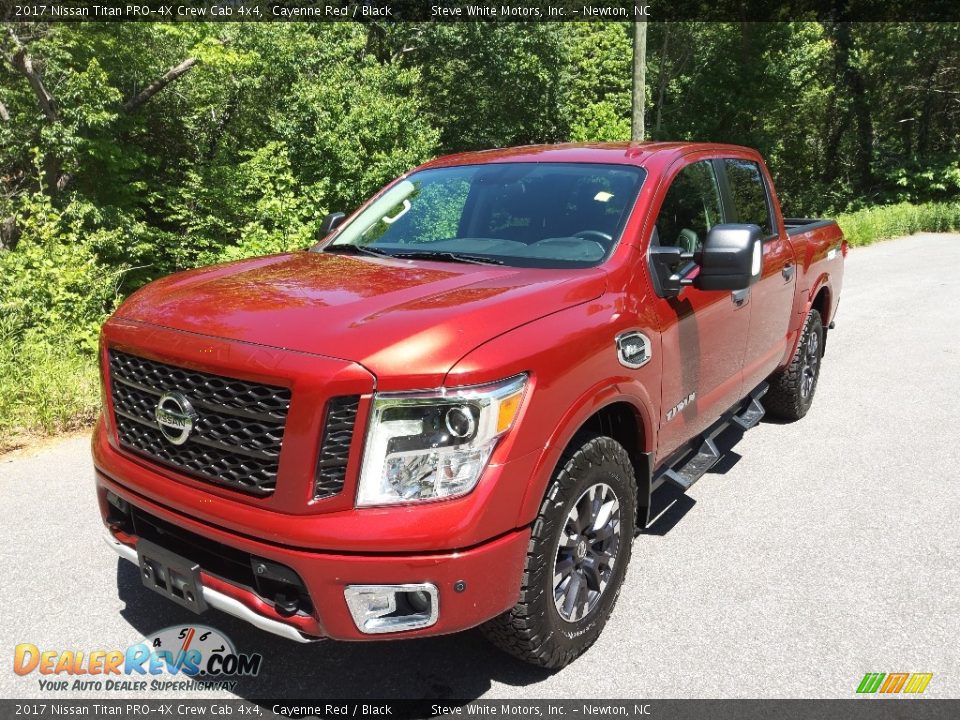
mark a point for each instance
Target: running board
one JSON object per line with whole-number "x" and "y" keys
{"x": 691, "y": 468}
{"x": 694, "y": 468}
{"x": 754, "y": 410}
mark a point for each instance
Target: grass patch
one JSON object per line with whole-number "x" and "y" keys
{"x": 45, "y": 388}
{"x": 890, "y": 221}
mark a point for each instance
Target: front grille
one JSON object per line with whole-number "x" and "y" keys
{"x": 335, "y": 447}
{"x": 236, "y": 438}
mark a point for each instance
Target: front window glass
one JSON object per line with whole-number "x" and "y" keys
{"x": 691, "y": 208}
{"x": 748, "y": 193}
{"x": 523, "y": 214}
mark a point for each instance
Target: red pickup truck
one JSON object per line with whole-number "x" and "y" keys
{"x": 453, "y": 411}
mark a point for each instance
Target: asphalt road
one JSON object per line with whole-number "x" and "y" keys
{"x": 814, "y": 553}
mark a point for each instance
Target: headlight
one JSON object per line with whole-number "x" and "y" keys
{"x": 426, "y": 446}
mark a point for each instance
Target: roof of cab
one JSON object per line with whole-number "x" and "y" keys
{"x": 623, "y": 153}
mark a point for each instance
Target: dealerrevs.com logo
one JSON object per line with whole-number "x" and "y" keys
{"x": 183, "y": 657}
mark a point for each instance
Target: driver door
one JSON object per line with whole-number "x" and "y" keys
{"x": 705, "y": 333}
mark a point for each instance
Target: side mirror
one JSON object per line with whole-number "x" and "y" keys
{"x": 331, "y": 222}
{"x": 731, "y": 258}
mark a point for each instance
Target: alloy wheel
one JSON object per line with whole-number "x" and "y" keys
{"x": 586, "y": 552}
{"x": 811, "y": 359}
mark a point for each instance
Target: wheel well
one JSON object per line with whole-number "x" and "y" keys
{"x": 621, "y": 422}
{"x": 821, "y": 303}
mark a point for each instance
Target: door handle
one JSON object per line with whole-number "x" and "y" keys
{"x": 788, "y": 271}
{"x": 739, "y": 297}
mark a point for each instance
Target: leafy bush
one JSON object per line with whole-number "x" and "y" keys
{"x": 45, "y": 387}
{"x": 889, "y": 221}
{"x": 55, "y": 294}
{"x": 54, "y": 284}
{"x": 256, "y": 205}
{"x": 936, "y": 179}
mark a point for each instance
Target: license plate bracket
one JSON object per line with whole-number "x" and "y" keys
{"x": 176, "y": 578}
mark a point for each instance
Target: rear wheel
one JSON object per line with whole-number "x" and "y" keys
{"x": 791, "y": 390}
{"x": 578, "y": 553}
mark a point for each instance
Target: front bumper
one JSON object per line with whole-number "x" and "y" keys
{"x": 473, "y": 584}
{"x": 219, "y": 600}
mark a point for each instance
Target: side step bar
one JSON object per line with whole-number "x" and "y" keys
{"x": 690, "y": 468}
{"x": 754, "y": 410}
{"x": 687, "y": 473}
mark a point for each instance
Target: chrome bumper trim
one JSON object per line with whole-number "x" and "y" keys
{"x": 376, "y": 621}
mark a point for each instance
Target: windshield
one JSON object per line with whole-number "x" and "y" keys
{"x": 548, "y": 215}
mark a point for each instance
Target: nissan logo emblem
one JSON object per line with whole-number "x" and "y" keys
{"x": 176, "y": 417}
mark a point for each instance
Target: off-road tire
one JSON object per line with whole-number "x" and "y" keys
{"x": 533, "y": 630}
{"x": 789, "y": 398}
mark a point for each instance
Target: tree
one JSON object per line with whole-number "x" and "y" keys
{"x": 489, "y": 84}
{"x": 595, "y": 81}
{"x": 851, "y": 106}
{"x": 57, "y": 116}
{"x": 638, "y": 131}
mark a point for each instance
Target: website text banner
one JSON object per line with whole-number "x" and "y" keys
{"x": 482, "y": 11}
{"x": 853, "y": 709}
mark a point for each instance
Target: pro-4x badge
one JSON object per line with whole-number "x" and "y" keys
{"x": 672, "y": 412}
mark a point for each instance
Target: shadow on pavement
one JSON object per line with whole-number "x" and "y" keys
{"x": 461, "y": 666}
{"x": 669, "y": 503}
{"x": 667, "y": 507}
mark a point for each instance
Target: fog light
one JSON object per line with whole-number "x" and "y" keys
{"x": 392, "y": 608}
{"x": 420, "y": 601}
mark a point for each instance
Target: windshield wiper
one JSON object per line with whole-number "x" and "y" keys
{"x": 356, "y": 250}
{"x": 439, "y": 255}
{"x": 447, "y": 256}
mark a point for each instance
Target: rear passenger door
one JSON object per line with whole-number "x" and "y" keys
{"x": 705, "y": 334}
{"x": 748, "y": 201}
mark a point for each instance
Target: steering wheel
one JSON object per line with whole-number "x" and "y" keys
{"x": 594, "y": 234}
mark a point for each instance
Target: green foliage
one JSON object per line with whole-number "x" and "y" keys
{"x": 54, "y": 284}
{"x": 597, "y": 86}
{"x": 45, "y": 388}
{"x": 869, "y": 225}
{"x": 254, "y": 208}
{"x": 912, "y": 182}
{"x": 358, "y": 129}
{"x": 488, "y": 84}
{"x": 55, "y": 294}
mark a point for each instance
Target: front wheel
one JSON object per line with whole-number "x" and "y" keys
{"x": 791, "y": 390}
{"x": 579, "y": 549}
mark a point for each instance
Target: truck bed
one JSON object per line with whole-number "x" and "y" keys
{"x": 795, "y": 226}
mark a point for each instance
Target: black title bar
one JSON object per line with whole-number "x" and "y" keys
{"x": 478, "y": 11}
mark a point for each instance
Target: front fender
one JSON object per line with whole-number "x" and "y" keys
{"x": 590, "y": 403}
{"x": 574, "y": 369}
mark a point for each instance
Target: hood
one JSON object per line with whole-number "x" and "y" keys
{"x": 406, "y": 321}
